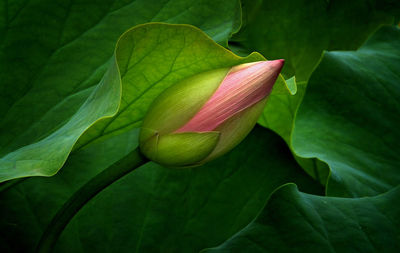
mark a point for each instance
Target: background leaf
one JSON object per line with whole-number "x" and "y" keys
{"x": 293, "y": 221}
{"x": 52, "y": 56}
{"x": 299, "y": 30}
{"x": 350, "y": 117}
{"x": 183, "y": 210}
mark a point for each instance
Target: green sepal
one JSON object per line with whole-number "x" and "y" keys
{"x": 148, "y": 140}
{"x": 180, "y": 149}
{"x": 146, "y": 134}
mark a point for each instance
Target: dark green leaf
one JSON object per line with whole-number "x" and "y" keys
{"x": 183, "y": 210}
{"x": 350, "y": 117}
{"x": 293, "y": 221}
{"x": 298, "y": 31}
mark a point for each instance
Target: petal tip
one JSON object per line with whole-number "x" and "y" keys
{"x": 278, "y": 63}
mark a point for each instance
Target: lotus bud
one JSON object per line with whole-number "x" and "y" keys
{"x": 206, "y": 115}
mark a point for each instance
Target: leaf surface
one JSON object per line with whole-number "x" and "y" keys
{"x": 293, "y": 221}
{"x": 183, "y": 210}
{"x": 299, "y": 31}
{"x": 350, "y": 117}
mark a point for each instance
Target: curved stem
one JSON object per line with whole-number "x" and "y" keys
{"x": 70, "y": 208}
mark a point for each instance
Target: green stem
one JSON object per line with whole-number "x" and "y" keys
{"x": 64, "y": 215}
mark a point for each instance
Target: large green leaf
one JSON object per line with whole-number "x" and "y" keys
{"x": 350, "y": 117}
{"x": 293, "y": 221}
{"x": 52, "y": 57}
{"x": 182, "y": 210}
{"x": 298, "y": 31}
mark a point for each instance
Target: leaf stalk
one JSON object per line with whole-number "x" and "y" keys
{"x": 127, "y": 164}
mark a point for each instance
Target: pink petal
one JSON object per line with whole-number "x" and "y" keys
{"x": 244, "y": 86}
